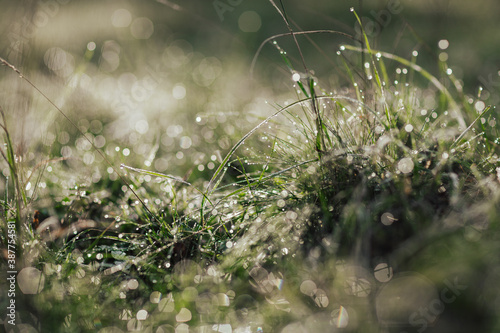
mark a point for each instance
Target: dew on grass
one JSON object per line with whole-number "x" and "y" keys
{"x": 31, "y": 281}
{"x": 142, "y": 126}
{"x": 91, "y": 46}
{"x": 134, "y": 325}
{"x": 185, "y": 142}
{"x": 59, "y": 61}
{"x": 63, "y": 137}
{"x": 80, "y": 273}
{"x": 174, "y": 130}
{"x": 189, "y": 294}
{"x": 409, "y": 128}
{"x": 183, "y": 316}
{"x": 443, "y": 44}
{"x": 179, "y": 92}
{"x": 99, "y": 141}
{"x": 405, "y": 165}
{"x": 142, "y": 28}
{"x": 66, "y": 152}
{"x": 291, "y": 215}
{"x": 387, "y": 219}
{"x": 357, "y": 286}
{"x": 340, "y": 317}
{"x": 320, "y": 298}
{"x": 132, "y": 284}
{"x": 88, "y": 158}
{"x": 120, "y": 18}
{"x": 383, "y": 272}
{"x": 479, "y": 106}
{"x": 308, "y": 287}
{"x": 404, "y": 296}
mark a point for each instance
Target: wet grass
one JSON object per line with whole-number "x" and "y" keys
{"x": 364, "y": 205}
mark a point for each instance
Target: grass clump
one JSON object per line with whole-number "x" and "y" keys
{"x": 350, "y": 209}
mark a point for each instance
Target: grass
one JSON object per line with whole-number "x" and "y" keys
{"x": 345, "y": 209}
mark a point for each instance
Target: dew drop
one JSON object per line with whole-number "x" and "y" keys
{"x": 443, "y": 44}
{"x": 405, "y": 165}
{"x": 340, "y": 317}
{"x": 383, "y": 272}
{"x": 387, "y": 219}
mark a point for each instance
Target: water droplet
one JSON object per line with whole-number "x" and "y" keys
{"x": 308, "y": 287}
{"x": 340, "y": 317}
{"x": 132, "y": 284}
{"x": 383, "y": 272}
{"x": 479, "y": 106}
{"x": 443, "y": 44}
{"x": 387, "y": 219}
{"x": 183, "y": 316}
{"x": 406, "y": 165}
{"x": 142, "y": 315}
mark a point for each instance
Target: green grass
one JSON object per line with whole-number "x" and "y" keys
{"x": 308, "y": 220}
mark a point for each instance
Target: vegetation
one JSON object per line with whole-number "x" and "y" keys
{"x": 368, "y": 202}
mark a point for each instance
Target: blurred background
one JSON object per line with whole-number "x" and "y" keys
{"x": 167, "y": 85}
